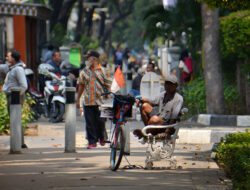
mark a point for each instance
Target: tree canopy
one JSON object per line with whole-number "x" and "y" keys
{"x": 235, "y": 30}
{"x": 228, "y": 4}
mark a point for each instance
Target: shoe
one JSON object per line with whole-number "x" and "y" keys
{"x": 24, "y": 146}
{"x": 91, "y": 146}
{"x": 102, "y": 143}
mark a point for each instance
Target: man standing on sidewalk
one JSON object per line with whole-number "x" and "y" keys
{"x": 93, "y": 82}
{"x": 15, "y": 78}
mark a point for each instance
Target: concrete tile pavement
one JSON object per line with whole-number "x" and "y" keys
{"x": 44, "y": 165}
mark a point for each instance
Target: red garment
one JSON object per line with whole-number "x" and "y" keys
{"x": 188, "y": 62}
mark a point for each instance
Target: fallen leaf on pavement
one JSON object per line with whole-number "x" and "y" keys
{"x": 56, "y": 145}
{"x": 198, "y": 147}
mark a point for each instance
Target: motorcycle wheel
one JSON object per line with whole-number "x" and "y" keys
{"x": 35, "y": 111}
{"x": 56, "y": 115}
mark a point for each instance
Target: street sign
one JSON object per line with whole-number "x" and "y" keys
{"x": 150, "y": 85}
{"x": 75, "y": 56}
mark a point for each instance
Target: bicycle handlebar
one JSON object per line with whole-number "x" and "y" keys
{"x": 107, "y": 93}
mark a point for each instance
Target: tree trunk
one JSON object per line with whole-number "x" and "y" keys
{"x": 215, "y": 102}
{"x": 123, "y": 10}
{"x": 102, "y": 25}
{"x": 241, "y": 86}
{"x": 89, "y": 21}
{"x": 79, "y": 25}
{"x": 56, "y": 6}
{"x": 65, "y": 13}
{"x": 247, "y": 97}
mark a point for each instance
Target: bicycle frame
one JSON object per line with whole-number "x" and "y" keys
{"x": 118, "y": 138}
{"x": 119, "y": 122}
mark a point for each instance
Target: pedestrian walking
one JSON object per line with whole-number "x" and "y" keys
{"x": 118, "y": 57}
{"x": 186, "y": 64}
{"x": 15, "y": 78}
{"x": 93, "y": 81}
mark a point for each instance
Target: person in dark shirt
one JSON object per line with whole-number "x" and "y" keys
{"x": 135, "y": 91}
{"x": 55, "y": 61}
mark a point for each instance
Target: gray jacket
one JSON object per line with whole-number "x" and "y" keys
{"x": 15, "y": 79}
{"x": 169, "y": 110}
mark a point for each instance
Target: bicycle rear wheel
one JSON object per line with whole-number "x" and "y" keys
{"x": 117, "y": 148}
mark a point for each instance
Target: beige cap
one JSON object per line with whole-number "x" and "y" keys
{"x": 171, "y": 78}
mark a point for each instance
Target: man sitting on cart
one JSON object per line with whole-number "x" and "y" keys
{"x": 162, "y": 110}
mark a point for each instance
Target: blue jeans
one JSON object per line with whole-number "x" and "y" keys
{"x": 134, "y": 92}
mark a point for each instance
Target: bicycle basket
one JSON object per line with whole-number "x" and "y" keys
{"x": 107, "y": 110}
{"x": 127, "y": 102}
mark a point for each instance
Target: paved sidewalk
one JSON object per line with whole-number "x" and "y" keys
{"x": 44, "y": 165}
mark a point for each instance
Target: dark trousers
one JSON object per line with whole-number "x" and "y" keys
{"x": 95, "y": 125}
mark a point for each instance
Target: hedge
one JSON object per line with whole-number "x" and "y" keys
{"x": 233, "y": 155}
{"x": 27, "y": 113}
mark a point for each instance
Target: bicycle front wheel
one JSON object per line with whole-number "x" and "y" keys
{"x": 117, "y": 148}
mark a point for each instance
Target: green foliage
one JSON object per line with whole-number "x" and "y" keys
{"x": 194, "y": 94}
{"x": 27, "y": 113}
{"x": 88, "y": 43}
{"x": 171, "y": 24}
{"x": 235, "y": 29}
{"x": 195, "y": 97}
{"x": 4, "y": 116}
{"x": 59, "y": 35}
{"x": 185, "y": 17}
{"x": 234, "y": 104}
{"x": 234, "y": 156}
{"x": 228, "y": 4}
{"x": 131, "y": 28}
{"x": 235, "y": 35}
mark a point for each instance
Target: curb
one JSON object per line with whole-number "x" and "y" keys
{"x": 222, "y": 120}
{"x": 205, "y": 135}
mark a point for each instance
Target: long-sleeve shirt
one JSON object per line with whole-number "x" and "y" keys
{"x": 15, "y": 79}
{"x": 4, "y": 69}
{"x": 170, "y": 109}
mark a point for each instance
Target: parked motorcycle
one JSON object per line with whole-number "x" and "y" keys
{"x": 51, "y": 103}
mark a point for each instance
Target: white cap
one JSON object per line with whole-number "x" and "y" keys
{"x": 171, "y": 78}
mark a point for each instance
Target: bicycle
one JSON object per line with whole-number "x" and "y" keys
{"x": 121, "y": 109}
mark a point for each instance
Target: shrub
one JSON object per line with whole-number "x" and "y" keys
{"x": 27, "y": 113}
{"x": 195, "y": 97}
{"x": 234, "y": 104}
{"x": 194, "y": 94}
{"x": 4, "y": 117}
{"x": 233, "y": 156}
